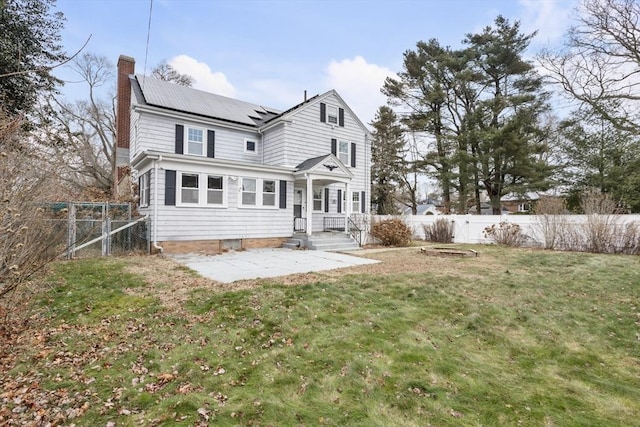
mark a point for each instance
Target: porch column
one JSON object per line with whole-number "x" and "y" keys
{"x": 347, "y": 207}
{"x": 309, "y": 205}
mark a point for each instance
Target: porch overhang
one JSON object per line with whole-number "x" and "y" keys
{"x": 322, "y": 171}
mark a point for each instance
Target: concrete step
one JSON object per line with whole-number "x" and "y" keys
{"x": 323, "y": 242}
{"x": 345, "y": 246}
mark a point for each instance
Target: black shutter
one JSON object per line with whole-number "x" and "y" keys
{"x": 323, "y": 112}
{"x": 341, "y": 117}
{"x": 334, "y": 146}
{"x": 179, "y": 139}
{"x": 170, "y": 187}
{"x": 140, "y": 188}
{"x": 326, "y": 200}
{"x": 339, "y": 201}
{"x": 283, "y": 194}
{"x": 363, "y": 202}
{"x": 353, "y": 155}
{"x": 211, "y": 144}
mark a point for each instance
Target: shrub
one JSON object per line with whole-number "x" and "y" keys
{"x": 392, "y": 232}
{"x": 441, "y": 231}
{"x": 505, "y": 233}
{"x": 550, "y": 220}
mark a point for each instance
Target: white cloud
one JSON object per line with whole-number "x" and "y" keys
{"x": 359, "y": 83}
{"x": 274, "y": 93}
{"x": 206, "y": 79}
{"x": 550, "y": 18}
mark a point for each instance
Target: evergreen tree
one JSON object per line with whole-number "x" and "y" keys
{"x": 422, "y": 87}
{"x": 600, "y": 156}
{"x": 386, "y": 158}
{"x": 510, "y": 144}
{"x": 29, "y": 49}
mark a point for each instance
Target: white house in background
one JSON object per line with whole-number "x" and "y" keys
{"x": 215, "y": 172}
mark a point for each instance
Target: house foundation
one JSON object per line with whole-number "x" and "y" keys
{"x": 210, "y": 247}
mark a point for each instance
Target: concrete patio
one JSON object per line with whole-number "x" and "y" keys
{"x": 262, "y": 263}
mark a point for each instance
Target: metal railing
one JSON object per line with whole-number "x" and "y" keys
{"x": 333, "y": 223}
{"x": 300, "y": 225}
{"x": 355, "y": 232}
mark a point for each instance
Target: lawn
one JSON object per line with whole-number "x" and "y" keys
{"x": 512, "y": 337}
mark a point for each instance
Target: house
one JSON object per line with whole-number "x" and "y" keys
{"x": 429, "y": 208}
{"x": 520, "y": 203}
{"x": 215, "y": 172}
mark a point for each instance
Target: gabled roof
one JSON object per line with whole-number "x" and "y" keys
{"x": 313, "y": 100}
{"x": 180, "y": 98}
{"x": 324, "y": 166}
{"x": 310, "y": 163}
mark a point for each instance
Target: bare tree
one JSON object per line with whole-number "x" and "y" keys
{"x": 80, "y": 136}
{"x": 27, "y": 240}
{"x": 600, "y": 64}
{"x": 164, "y": 71}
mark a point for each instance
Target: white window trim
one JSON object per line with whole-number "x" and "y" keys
{"x": 255, "y": 146}
{"x": 206, "y": 191}
{"x": 313, "y": 200}
{"x": 259, "y": 194}
{"x": 348, "y": 162}
{"x": 275, "y": 193}
{"x": 328, "y": 108}
{"x": 355, "y": 193}
{"x": 142, "y": 191}
{"x": 241, "y": 191}
{"x": 186, "y": 141}
{"x": 202, "y": 190}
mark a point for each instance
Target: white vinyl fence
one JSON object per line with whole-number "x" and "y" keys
{"x": 470, "y": 228}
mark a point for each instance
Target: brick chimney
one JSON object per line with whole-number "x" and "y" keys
{"x": 126, "y": 67}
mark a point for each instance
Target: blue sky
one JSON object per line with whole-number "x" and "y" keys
{"x": 270, "y": 51}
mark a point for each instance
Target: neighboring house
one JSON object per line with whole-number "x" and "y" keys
{"x": 215, "y": 172}
{"x": 520, "y": 203}
{"x": 423, "y": 209}
{"x": 486, "y": 209}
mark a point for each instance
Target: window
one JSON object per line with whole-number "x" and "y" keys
{"x": 195, "y": 189}
{"x": 317, "y": 198}
{"x": 343, "y": 152}
{"x": 143, "y": 189}
{"x": 524, "y": 207}
{"x": 268, "y": 193}
{"x": 189, "y": 188}
{"x": 332, "y": 114}
{"x": 195, "y": 141}
{"x": 249, "y": 146}
{"x": 215, "y": 190}
{"x": 248, "y": 191}
{"x": 355, "y": 201}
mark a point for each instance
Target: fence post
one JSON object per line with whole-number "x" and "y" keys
{"x": 71, "y": 230}
{"x": 106, "y": 237}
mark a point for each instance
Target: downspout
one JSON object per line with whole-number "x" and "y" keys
{"x": 155, "y": 206}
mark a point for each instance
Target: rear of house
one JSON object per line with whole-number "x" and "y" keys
{"x": 215, "y": 172}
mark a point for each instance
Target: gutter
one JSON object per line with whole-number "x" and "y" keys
{"x": 154, "y": 218}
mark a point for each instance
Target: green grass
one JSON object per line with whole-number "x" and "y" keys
{"x": 513, "y": 337}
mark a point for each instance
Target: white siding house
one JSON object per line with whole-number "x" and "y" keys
{"x": 215, "y": 172}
